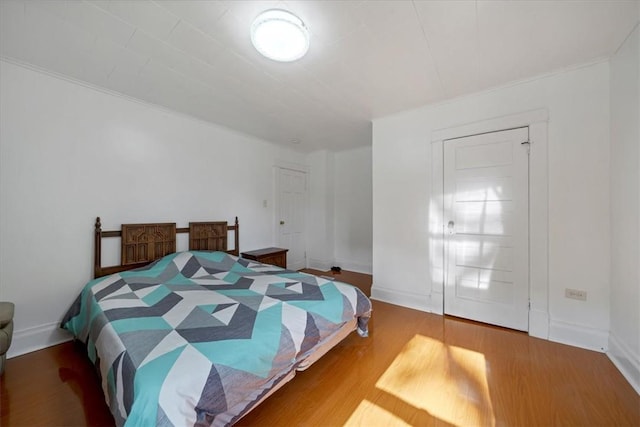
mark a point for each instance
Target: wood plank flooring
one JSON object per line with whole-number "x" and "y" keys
{"x": 414, "y": 369}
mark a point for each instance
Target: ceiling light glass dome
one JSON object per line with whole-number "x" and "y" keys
{"x": 280, "y": 35}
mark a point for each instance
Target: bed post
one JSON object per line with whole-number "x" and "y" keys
{"x": 237, "y": 235}
{"x": 97, "y": 254}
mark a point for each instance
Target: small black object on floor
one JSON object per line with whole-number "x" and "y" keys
{"x": 336, "y": 269}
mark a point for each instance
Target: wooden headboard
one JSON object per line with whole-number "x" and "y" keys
{"x": 144, "y": 243}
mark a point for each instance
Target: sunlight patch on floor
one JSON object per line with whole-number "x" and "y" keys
{"x": 369, "y": 414}
{"x": 446, "y": 382}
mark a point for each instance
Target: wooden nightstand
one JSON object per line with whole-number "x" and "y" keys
{"x": 273, "y": 256}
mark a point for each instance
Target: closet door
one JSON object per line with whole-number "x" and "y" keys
{"x": 486, "y": 228}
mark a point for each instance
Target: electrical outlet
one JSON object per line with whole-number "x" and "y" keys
{"x": 575, "y": 294}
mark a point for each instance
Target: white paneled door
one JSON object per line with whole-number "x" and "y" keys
{"x": 292, "y": 195}
{"x": 486, "y": 192}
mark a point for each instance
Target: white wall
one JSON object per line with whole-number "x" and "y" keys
{"x": 69, "y": 153}
{"x": 353, "y": 218}
{"x": 578, "y": 161}
{"x": 624, "y": 338}
{"x": 320, "y": 218}
{"x": 339, "y": 230}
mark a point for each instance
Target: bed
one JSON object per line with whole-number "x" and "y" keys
{"x": 201, "y": 337}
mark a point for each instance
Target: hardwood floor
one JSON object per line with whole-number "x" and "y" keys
{"x": 414, "y": 369}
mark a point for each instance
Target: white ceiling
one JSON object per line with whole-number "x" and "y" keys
{"x": 367, "y": 58}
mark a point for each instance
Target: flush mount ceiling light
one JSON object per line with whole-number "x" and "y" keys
{"x": 280, "y": 35}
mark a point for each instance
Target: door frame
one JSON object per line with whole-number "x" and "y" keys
{"x": 537, "y": 121}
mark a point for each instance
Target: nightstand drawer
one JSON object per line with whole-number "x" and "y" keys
{"x": 273, "y": 256}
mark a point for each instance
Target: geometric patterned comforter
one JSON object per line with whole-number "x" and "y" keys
{"x": 197, "y": 338}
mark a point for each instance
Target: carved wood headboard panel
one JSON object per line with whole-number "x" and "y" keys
{"x": 209, "y": 236}
{"x": 144, "y": 243}
{"x": 147, "y": 242}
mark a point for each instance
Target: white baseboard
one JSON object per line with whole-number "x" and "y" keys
{"x": 319, "y": 264}
{"x": 325, "y": 265}
{"x": 405, "y": 299}
{"x": 578, "y": 336}
{"x": 358, "y": 267}
{"x": 539, "y": 324}
{"x": 625, "y": 360}
{"x": 437, "y": 303}
{"x": 434, "y": 303}
{"x": 37, "y": 338}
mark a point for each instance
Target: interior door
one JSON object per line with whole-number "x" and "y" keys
{"x": 292, "y": 189}
{"x": 486, "y": 189}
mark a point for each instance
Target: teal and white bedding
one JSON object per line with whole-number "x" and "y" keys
{"x": 197, "y": 338}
